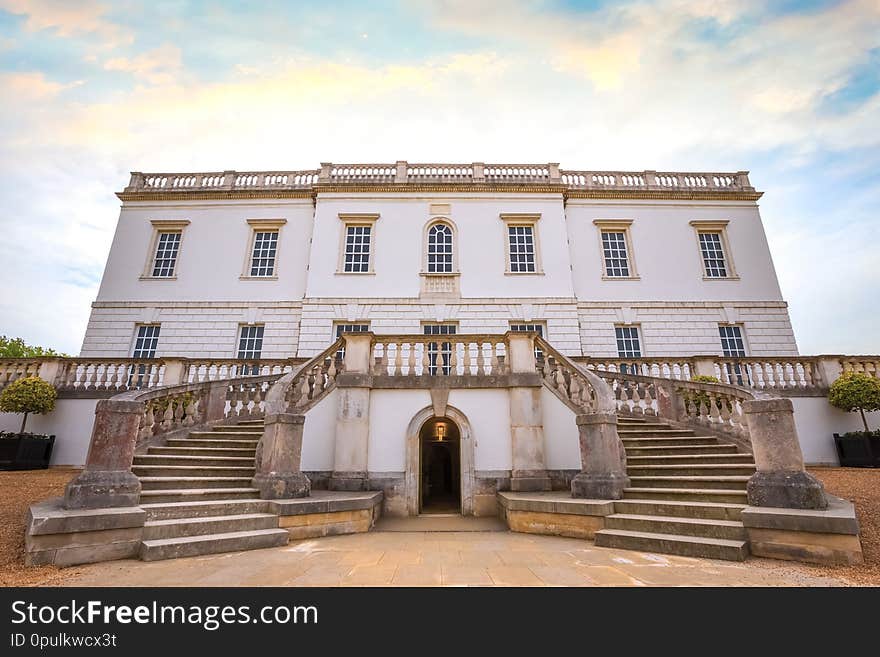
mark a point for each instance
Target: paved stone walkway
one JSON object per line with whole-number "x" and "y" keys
{"x": 445, "y": 559}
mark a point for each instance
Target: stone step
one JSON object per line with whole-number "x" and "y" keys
{"x": 689, "y": 546}
{"x": 204, "y": 470}
{"x": 216, "y": 444}
{"x": 178, "y": 527}
{"x": 181, "y": 483}
{"x": 226, "y": 435}
{"x": 731, "y": 530}
{"x": 682, "y": 450}
{"x": 687, "y": 494}
{"x": 683, "y": 459}
{"x": 640, "y": 424}
{"x": 725, "y": 482}
{"x": 210, "y": 461}
{"x": 205, "y": 508}
{"x": 237, "y": 427}
{"x": 197, "y": 494}
{"x": 628, "y": 432}
{"x": 675, "y": 441}
{"x": 680, "y": 509}
{"x": 241, "y": 452}
{"x": 190, "y": 546}
{"x": 690, "y": 469}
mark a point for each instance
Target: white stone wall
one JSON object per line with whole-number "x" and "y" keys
{"x": 686, "y": 328}
{"x": 389, "y": 316}
{"x": 71, "y": 423}
{"x": 561, "y": 442}
{"x": 192, "y": 329}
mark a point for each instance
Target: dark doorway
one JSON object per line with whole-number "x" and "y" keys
{"x": 440, "y": 467}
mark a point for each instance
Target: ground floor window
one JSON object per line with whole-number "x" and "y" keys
{"x": 340, "y": 328}
{"x": 733, "y": 346}
{"x": 145, "y": 342}
{"x": 628, "y": 346}
{"x": 250, "y": 348}
{"x": 533, "y": 327}
{"x": 439, "y": 354}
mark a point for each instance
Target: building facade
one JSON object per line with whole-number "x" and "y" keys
{"x": 248, "y": 266}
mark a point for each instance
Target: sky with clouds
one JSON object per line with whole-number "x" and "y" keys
{"x": 789, "y": 90}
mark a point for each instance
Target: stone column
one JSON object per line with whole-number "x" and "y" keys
{"x": 278, "y": 473}
{"x": 603, "y": 474}
{"x": 828, "y": 369}
{"x": 529, "y": 471}
{"x": 704, "y": 366}
{"x": 175, "y": 372}
{"x": 353, "y": 415}
{"x": 107, "y": 480}
{"x": 49, "y": 370}
{"x": 780, "y": 480}
{"x": 215, "y": 405}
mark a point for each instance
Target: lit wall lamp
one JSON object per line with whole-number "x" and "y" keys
{"x": 440, "y": 430}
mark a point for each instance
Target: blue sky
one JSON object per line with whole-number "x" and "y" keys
{"x": 788, "y": 90}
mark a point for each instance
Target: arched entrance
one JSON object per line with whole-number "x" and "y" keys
{"x": 424, "y": 423}
{"x": 439, "y": 466}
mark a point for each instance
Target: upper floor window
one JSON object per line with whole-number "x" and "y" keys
{"x": 263, "y": 253}
{"x": 263, "y": 260}
{"x": 164, "y": 248}
{"x": 523, "y": 254}
{"x": 614, "y": 252}
{"x": 616, "y": 247}
{"x": 440, "y": 249}
{"x": 357, "y": 243}
{"x": 714, "y": 249}
{"x": 165, "y": 261}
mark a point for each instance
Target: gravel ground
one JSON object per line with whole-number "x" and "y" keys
{"x": 18, "y": 490}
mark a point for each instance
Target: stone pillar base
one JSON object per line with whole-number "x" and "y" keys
{"x": 282, "y": 486}
{"x": 102, "y": 489}
{"x": 529, "y": 481}
{"x": 349, "y": 481}
{"x": 599, "y": 486}
{"x": 790, "y": 490}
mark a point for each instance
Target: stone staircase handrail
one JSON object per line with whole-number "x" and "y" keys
{"x": 579, "y": 388}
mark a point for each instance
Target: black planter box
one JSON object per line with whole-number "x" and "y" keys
{"x": 858, "y": 451}
{"x": 25, "y": 451}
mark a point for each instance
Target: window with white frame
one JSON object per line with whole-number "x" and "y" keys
{"x": 440, "y": 249}
{"x": 521, "y": 242}
{"x": 341, "y": 328}
{"x": 165, "y": 259}
{"x": 733, "y": 346}
{"x": 712, "y": 250}
{"x": 628, "y": 343}
{"x": 615, "y": 254}
{"x": 250, "y": 348}
{"x": 442, "y": 351}
{"x": 263, "y": 253}
{"x": 250, "y": 342}
{"x": 146, "y": 339}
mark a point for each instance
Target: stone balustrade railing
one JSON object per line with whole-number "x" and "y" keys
{"x": 786, "y": 375}
{"x": 403, "y": 173}
{"x": 578, "y": 387}
{"x": 83, "y": 377}
{"x": 438, "y": 355}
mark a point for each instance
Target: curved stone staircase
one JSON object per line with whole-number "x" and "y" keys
{"x": 198, "y": 497}
{"x": 686, "y": 494}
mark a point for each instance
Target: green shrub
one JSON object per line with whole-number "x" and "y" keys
{"x": 699, "y": 398}
{"x": 28, "y": 395}
{"x": 854, "y": 391}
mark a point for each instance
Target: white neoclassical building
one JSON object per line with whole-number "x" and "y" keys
{"x": 294, "y": 353}
{"x": 274, "y": 265}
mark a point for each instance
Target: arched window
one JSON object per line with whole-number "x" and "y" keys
{"x": 440, "y": 249}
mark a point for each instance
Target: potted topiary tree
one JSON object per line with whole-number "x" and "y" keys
{"x": 852, "y": 392}
{"x": 25, "y": 451}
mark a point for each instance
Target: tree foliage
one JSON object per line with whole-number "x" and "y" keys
{"x": 18, "y": 348}
{"x": 854, "y": 391}
{"x": 28, "y": 395}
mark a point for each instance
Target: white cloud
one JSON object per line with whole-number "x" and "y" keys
{"x": 67, "y": 18}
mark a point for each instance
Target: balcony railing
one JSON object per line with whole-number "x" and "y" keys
{"x": 472, "y": 173}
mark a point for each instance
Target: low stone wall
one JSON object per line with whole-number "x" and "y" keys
{"x": 63, "y": 537}
{"x": 829, "y": 536}
{"x": 554, "y": 513}
{"x": 327, "y": 513}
